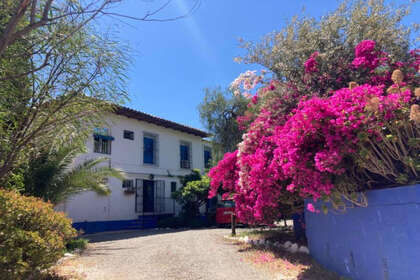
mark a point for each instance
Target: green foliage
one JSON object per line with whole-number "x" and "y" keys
{"x": 334, "y": 36}
{"x": 50, "y": 176}
{"x": 32, "y": 235}
{"x": 78, "y": 243}
{"x": 391, "y": 156}
{"x": 218, "y": 113}
{"x": 14, "y": 181}
{"x": 56, "y": 80}
{"x": 193, "y": 193}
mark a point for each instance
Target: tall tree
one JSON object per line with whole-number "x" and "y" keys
{"x": 58, "y": 73}
{"x": 218, "y": 113}
{"x": 333, "y": 37}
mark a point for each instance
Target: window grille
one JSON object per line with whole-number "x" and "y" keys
{"x": 150, "y": 149}
{"x": 128, "y": 134}
{"x": 185, "y": 155}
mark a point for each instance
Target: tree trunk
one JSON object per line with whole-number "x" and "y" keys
{"x": 233, "y": 224}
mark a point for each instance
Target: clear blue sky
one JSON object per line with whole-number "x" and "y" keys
{"x": 172, "y": 62}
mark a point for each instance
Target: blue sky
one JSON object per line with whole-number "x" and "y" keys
{"x": 172, "y": 62}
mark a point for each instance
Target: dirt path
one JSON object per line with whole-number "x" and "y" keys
{"x": 165, "y": 255}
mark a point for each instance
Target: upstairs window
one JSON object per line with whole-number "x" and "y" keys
{"x": 185, "y": 151}
{"x": 149, "y": 149}
{"x": 207, "y": 157}
{"x": 128, "y": 134}
{"x": 102, "y": 141}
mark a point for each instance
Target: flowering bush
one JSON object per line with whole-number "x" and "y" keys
{"x": 329, "y": 146}
{"x": 225, "y": 173}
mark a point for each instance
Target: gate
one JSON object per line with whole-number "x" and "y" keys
{"x": 160, "y": 197}
{"x": 139, "y": 195}
{"x": 156, "y": 199}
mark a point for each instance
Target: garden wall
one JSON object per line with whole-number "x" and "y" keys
{"x": 381, "y": 241}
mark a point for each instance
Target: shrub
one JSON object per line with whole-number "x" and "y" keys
{"x": 329, "y": 147}
{"x": 32, "y": 235}
{"x": 78, "y": 243}
{"x": 193, "y": 194}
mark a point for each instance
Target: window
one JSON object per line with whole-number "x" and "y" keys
{"x": 185, "y": 151}
{"x": 128, "y": 184}
{"x": 128, "y": 134}
{"x": 173, "y": 187}
{"x": 207, "y": 157}
{"x": 150, "y": 149}
{"x": 102, "y": 141}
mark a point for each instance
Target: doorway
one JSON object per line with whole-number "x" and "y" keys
{"x": 148, "y": 196}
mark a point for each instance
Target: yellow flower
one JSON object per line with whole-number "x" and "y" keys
{"x": 393, "y": 89}
{"x": 352, "y": 85}
{"x": 397, "y": 77}
{"x": 373, "y": 104}
{"x": 417, "y": 92}
{"x": 415, "y": 113}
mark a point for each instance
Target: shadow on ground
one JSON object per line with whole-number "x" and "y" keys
{"x": 127, "y": 234}
{"x": 135, "y": 233}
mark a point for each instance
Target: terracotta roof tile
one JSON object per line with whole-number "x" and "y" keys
{"x": 134, "y": 114}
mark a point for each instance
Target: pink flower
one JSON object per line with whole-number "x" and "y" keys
{"x": 311, "y": 65}
{"x": 365, "y": 48}
{"x": 366, "y": 55}
{"x": 291, "y": 187}
{"x": 311, "y": 207}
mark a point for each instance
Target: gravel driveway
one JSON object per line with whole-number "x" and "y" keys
{"x": 159, "y": 254}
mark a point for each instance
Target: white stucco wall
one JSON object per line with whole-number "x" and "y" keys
{"x": 127, "y": 155}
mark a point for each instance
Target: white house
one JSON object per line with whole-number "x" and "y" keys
{"x": 153, "y": 153}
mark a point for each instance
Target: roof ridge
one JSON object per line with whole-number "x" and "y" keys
{"x": 142, "y": 116}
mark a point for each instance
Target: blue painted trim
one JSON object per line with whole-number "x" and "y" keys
{"x": 143, "y": 222}
{"x": 103, "y": 137}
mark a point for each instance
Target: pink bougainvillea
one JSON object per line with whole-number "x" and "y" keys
{"x": 224, "y": 174}
{"x": 294, "y": 150}
{"x": 311, "y": 64}
{"x": 366, "y": 55}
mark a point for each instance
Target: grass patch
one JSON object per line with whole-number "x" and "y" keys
{"x": 78, "y": 243}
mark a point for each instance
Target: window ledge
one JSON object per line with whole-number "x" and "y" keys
{"x": 150, "y": 165}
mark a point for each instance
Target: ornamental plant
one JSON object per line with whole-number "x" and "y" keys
{"x": 329, "y": 146}
{"x": 193, "y": 193}
{"x": 33, "y": 236}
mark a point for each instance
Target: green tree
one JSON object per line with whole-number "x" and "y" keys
{"x": 58, "y": 72}
{"x": 334, "y": 36}
{"x": 218, "y": 113}
{"x": 193, "y": 194}
{"x": 51, "y": 177}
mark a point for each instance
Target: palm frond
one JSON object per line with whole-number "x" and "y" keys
{"x": 58, "y": 181}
